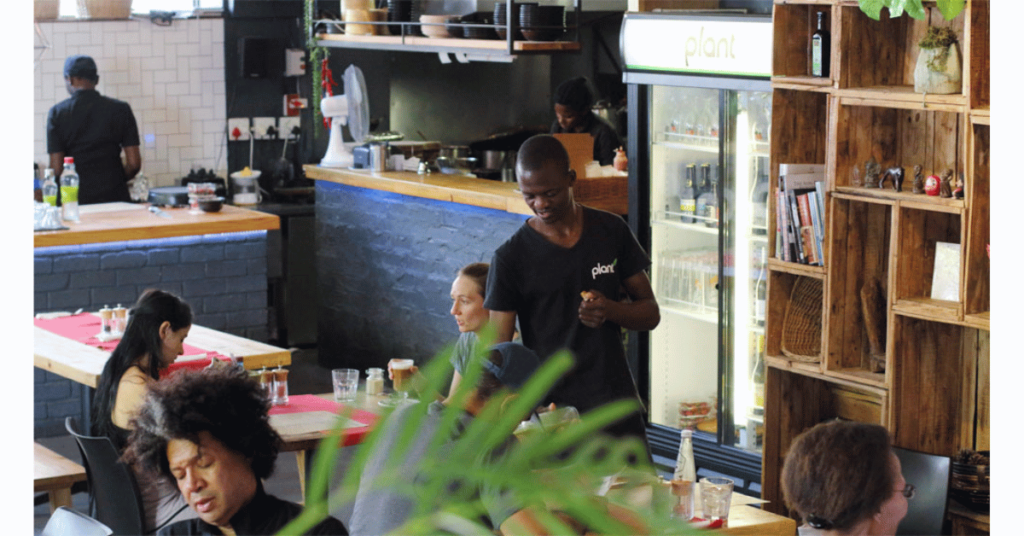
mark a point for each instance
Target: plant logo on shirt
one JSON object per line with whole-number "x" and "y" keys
{"x": 603, "y": 269}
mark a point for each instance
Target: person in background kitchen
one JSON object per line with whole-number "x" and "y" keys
{"x": 573, "y": 103}
{"x": 94, "y": 130}
{"x": 562, "y": 275}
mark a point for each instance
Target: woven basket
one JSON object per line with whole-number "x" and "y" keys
{"x": 47, "y": 9}
{"x": 588, "y": 188}
{"x": 801, "y": 327}
{"x": 104, "y": 9}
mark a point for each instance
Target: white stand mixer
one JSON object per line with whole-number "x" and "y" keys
{"x": 352, "y": 109}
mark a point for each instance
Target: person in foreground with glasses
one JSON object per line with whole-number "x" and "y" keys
{"x": 844, "y": 479}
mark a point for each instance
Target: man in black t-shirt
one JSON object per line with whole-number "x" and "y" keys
{"x": 561, "y": 274}
{"x": 93, "y": 129}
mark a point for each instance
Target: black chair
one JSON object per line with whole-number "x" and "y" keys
{"x": 67, "y": 522}
{"x": 929, "y": 474}
{"x": 115, "y": 494}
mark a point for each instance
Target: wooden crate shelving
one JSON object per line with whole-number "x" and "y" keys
{"x": 793, "y": 24}
{"x": 860, "y": 235}
{"x": 896, "y": 136}
{"x": 877, "y": 58}
{"x": 919, "y": 232}
{"x": 976, "y": 305}
{"x": 934, "y": 393}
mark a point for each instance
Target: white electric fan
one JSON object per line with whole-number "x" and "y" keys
{"x": 350, "y": 108}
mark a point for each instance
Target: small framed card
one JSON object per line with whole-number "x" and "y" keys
{"x": 946, "y": 276}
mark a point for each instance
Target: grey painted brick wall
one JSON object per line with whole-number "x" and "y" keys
{"x": 223, "y": 277}
{"x": 385, "y": 264}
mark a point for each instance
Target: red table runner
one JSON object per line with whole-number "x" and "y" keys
{"x": 85, "y": 326}
{"x": 304, "y": 403}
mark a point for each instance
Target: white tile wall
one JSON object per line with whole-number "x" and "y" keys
{"x": 173, "y": 78}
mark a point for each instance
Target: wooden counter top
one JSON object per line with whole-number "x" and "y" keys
{"x": 112, "y": 222}
{"x": 462, "y": 189}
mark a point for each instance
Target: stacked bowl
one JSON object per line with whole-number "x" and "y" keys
{"x": 403, "y": 11}
{"x": 480, "y": 32}
{"x": 542, "y": 23}
{"x": 501, "y": 18}
{"x": 437, "y": 25}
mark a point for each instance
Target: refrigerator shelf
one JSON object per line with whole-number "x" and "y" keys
{"x": 688, "y": 310}
{"x": 664, "y": 218}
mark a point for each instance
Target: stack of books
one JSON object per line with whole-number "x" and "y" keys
{"x": 800, "y": 214}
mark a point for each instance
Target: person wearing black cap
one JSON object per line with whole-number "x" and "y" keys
{"x": 573, "y": 103}
{"x": 94, "y": 130}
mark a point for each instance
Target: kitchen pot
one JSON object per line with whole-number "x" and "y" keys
{"x": 455, "y": 151}
{"x": 494, "y": 159}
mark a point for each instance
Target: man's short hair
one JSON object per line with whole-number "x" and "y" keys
{"x": 540, "y": 150}
{"x": 223, "y": 401}
{"x": 80, "y": 66}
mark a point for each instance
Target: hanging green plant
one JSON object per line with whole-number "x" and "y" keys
{"x": 915, "y": 8}
{"x": 317, "y": 54}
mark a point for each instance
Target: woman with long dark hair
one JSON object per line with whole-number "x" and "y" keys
{"x": 153, "y": 339}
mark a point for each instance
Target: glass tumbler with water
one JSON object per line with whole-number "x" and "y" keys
{"x": 716, "y": 497}
{"x": 346, "y": 383}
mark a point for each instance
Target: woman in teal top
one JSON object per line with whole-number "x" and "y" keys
{"x": 468, "y": 291}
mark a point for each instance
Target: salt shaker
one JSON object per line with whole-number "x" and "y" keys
{"x": 267, "y": 382}
{"x": 280, "y": 386}
{"x": 374, "y": 381}
{"x": 106, "y": 316}
{"x": 120, "y": 320}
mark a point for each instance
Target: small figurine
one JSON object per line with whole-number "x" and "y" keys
{"x": 855, "y": 177}
{"x": 918, "y": 180}
{"x": 958, "y": 193}
{"x": 896, "y": 174}
{"x": 872, "y": 170}
{"x": 946, "y": 184}
{"x": 931, "y": 185}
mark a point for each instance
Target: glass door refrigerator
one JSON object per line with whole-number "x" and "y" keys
{"x": 699, "y": 118}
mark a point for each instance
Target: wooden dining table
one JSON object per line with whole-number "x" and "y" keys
{"x": 83, "y": 362}
{"x": 314, "y": 418}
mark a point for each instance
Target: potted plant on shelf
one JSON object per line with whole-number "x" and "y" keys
{"x": 938, "y": 68}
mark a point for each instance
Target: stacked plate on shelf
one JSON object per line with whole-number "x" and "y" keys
{"x": 404, "y": 11}
{"x": 542, "y": 23}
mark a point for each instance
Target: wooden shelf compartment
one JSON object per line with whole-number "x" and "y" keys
{"x": 861, "y": 236}
{"x": 798, "y": 117}
{"x": 894, "y": 136}
{"x": 935, "y": 399}
{"x": 977, "y": 54}
{"x": 919, "y": 231}
{"x": 793, "y": 24}
{"x": 977, "y": 264}
{"x": 878, "y": 53}
{"x": 780, "y": 290}
{"x": 795, "y": 402}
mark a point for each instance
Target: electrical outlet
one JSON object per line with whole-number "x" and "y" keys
{"x": 286, "y": 127}
{"x": 238, "y": 129}
{"x": 264, "y": 128}
{"x": 293, "y": 104}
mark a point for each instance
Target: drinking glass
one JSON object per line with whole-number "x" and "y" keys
{"x": 346, "y": 382}
{"x": 401, "y": 370}
{"x": 715, "y": 497}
